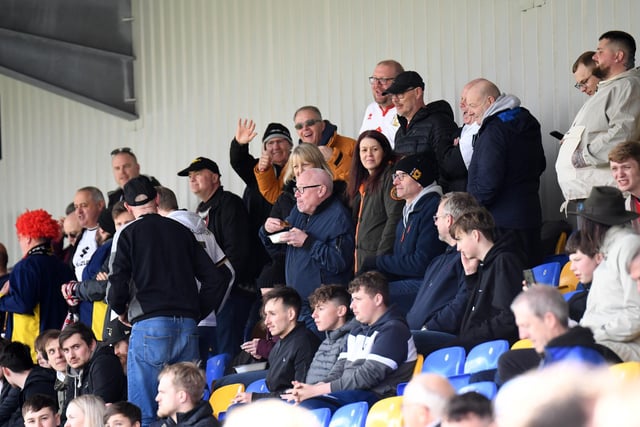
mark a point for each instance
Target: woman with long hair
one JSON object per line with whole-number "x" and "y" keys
{"x": 375, "y": 211}
{"x": 86, "y": 411}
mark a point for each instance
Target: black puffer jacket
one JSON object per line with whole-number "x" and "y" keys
{"x": 433, "y": 129}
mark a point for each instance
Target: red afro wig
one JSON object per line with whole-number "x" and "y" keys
{"x": 38, "y": 224}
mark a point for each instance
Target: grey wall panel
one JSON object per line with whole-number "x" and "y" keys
{"x": 202, "y": 64}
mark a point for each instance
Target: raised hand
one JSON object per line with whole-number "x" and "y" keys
{"x": 246, "y": 131}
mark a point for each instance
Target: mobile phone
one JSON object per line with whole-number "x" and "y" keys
{"x": 529, "y": 278}
{"x": 556, "y": 134}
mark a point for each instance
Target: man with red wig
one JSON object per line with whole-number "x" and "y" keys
{"x": 32, "y": 295}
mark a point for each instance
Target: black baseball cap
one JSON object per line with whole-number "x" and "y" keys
{"x": 199, "y": 164}
{"x": 403, "y": 82}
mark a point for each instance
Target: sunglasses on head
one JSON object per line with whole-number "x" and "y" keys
{"x": 121, "y": 150}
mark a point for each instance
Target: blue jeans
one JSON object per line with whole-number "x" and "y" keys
{"x": 245, "y": 378}
{"x": 403, "y": 293}
{"x": 154, "y": 343}
{"x": 231, "y": 321}
{"x": 335, "y": 400}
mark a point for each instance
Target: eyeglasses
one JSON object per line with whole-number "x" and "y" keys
{"x": 582, "y": 84}
{"x": 381, "y": 80}
{"x": 401, "y": 96}
{"x": 71, "y": 235}
{"x": 436, "y": 217}
{"x": 307, "y": 123}
{"x": 121, "y": 150}
{"x": 304, "y": 187}
{"x": 399, "y": 176}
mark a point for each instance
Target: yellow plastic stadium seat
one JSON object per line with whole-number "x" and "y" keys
{"x": 525, "y": 343}
{"x": 221, "y": 398}
{"x": 560, "y": 244}
{"x": 626, "y": 370}
{"x": 386, "y": 413}
{"x": 568, "y": 280}
{"x": 419, "y": 363}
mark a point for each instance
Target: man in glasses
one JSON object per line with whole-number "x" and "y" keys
{"x": 586, "y": 73}
{"x": 425, "y": 127}
{"x": 416, "y": 242}
{"x": 381, "y": 114}
{"x": 337, "y": 149}
{"x": 609, "y": 117}
{"x": 124, "y": 165}
{"x": 319, "y": 237}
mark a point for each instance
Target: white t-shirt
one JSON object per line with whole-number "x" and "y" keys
{"x": 85, "y": 248}
{"x": 466, "y": 141}
{"x": 384, "y": 121}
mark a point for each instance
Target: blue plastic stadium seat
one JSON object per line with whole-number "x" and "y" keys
{"x": 485, "y": 356}
{"x": 446, "y": 361}
{"x": 547, "y": 274}
{"x": 323, "y": 415}
{"x": 259, "y": 386}
{"x": 351, "y": 415}
{"x": 486, "y": 388}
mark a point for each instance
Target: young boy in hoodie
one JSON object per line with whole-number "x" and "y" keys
{"x": 378, "y": 355}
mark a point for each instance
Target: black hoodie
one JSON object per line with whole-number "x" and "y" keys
{"x": 492, "y": 289}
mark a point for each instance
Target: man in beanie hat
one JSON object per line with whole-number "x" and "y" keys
{"x": 613, "y": 303}
{"x": 417, "y": 241}
{"x": 426, "y": 127}
{"x": 31, "y": 297}
{"x": 227, "y": 218}
{"x": 276, "y": 148}
{"x": 163, "y": 259}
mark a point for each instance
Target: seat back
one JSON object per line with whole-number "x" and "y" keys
{"x": 221, "y": 398}
{"x": 547, "y": 274}
{"x": 258, "y": 386}
{"x": 520, "y": 344}
{"x": 486, "y": 388}
{"x": 351, "y": 415}
{"x": 568, "y": 281}
{"x": 485, "y": 356}
{"x": 446, "y": 361}
{"x": 626, "y": 370}
{"x": 386, "y": 413}
{"x": 215, "y": 367}
{"x": 323, "y": 416}
{"x": 419, "y": 362}
{"x": 459, "y": 381}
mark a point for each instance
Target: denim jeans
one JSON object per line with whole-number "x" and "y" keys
{"x": 156, "y": 342}
{"x": 429, "y": 341}
{"x": 231, "y": 322}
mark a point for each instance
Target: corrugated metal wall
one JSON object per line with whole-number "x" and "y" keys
{"x": 202, "y": 64}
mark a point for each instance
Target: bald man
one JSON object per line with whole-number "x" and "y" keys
{"x": 507, "y": 161}
{"x": 319, "y": 235}
{"x": 425, "y": 399}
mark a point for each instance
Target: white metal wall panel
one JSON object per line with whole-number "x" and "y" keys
{"x": 202, "y": 64}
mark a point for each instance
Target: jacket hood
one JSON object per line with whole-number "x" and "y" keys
{"x": 508, "y": 242}
{"x": 576, "y": 336}
{"x": 329, "y": 130}
{"x": 191, "y": 220}
{"x": 392, "y": 313}
{"x": 503, "y": 102}
{"x": 435, "y": 107}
